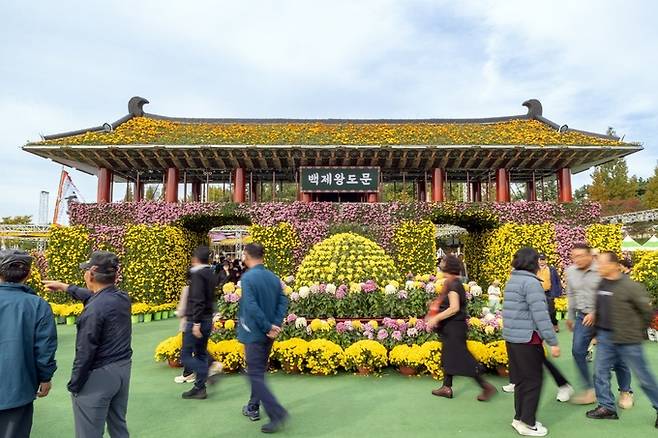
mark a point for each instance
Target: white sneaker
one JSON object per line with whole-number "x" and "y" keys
{"x": 190, "y": 378}
{"x": 525, "y": 430}
{"x": 564, "y": 393}
{"x": 509, "y": 388}
{"x": 215, "y": 369}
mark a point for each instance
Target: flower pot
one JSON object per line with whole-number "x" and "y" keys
{"x": 70, "y": 320}
{"x": 134, "y": 319}
{"x": 141, "y": 317}
{"x": 364, "y": 371}
{"x": 61, "y": 320}
{"x": 172, "y": 313}
{"x": 175, "y": 363}
{"x": 165, "y": 314}
{"x": 407, "y": 371}
{"x": 502, "y": 370}
{"x": 559, "y": 315}
{"x": 157, "y": 316}
{"x": 148, "y": 317}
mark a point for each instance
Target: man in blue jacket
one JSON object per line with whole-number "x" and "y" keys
{"x": 28, "y": 340}
{"x": 262, "y": 308}
{"x": 100, "y": 379}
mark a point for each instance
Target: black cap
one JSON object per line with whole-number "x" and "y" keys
{"x": 542, "y": 256}
{"x": 13, "y": 257}
{"x": 102, "y": 262}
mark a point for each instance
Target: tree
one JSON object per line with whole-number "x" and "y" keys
{"x": 152, "y": 193}
{"x": 16, "y": 220}
{"x": 650, "y": 197}
{"x": 610, "y": 181}
{"x": 129, "y": 193}
{"x": 581, "y": 194}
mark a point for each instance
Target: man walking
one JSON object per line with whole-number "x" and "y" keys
{"x": 262, "y": 309}
{"x": 550, "y": 281}
{"x": 583, "y": 282}
{"x": 101, "y": 369}
{"x": 198, "y": 311}
{"x": 623, "y": 312}
{"x": 28, "y": 340}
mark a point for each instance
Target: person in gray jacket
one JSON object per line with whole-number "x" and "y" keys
{"x": 527, "y": 325}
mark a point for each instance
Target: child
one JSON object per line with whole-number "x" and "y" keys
{"x": 494, "y": 295}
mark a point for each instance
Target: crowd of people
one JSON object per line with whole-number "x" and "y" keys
{"x": 604, "y": 305}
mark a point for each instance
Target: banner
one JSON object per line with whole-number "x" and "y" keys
{"x": 339, "y": 179}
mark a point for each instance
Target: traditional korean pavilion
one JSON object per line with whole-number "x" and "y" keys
{"x": 332, "y": 159}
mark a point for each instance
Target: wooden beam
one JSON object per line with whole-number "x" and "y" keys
{"x": 418, "y": 159}
{"x": 332, "y": 160}
{"x": 276, "y": 160}
{"x": 219, "y": 159}
{"x": 403, "y": 160}
{"x": 473, "y": 159}
{"x": 175, "y": 159}
{"x": 444, "y": 160}
{"x": 515, "y": 159}
{"x": 499, "y": 161}
{"x": 131, "y": 160}
{"x": 528, "y": 159}
{"x": 361, "y": 159}
{"x": 159, "y": 159}
{"x": 247, "y": 160}
{"x": 190, "y": 162}
{"x": 102, "y": 160}
{"x": 556, "y": 159}
{"x": 145, "y": 159}
{"x": 233, "y": 159}
{"x": 459, "y": 160}
{"x": 262, "y": 161}
{"x": 203, "y": 159}
{"x": 429, "y": 164}
{"x": 389, "y": 159}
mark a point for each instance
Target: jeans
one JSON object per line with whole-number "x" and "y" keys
{"x": 582, "y": 337}
{"x": 194, "y": 353}
{"x": 632, "y": 355}
{"x": 257, "y": 357}
{"x": 16, "y": 422}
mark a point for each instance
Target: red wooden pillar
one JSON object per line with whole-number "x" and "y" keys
{"x": 502, "y": 186}
{"x": 239, "y": 185}
{"x": 564, "y": 185}
{"x": 530, "y": 190}
{"x": 438, "y": 180}
{"x": 171, "y": 189}
{"x": 139, "y": 191}
{"x": 476, "y": 191}
{"x": 104, "y": 191}
{"x": 196, "y": 191}
{"x": 307, "y": 197}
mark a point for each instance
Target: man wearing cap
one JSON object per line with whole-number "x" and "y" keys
{"x": 101, "y": 369}
{"x": 28, "y": 340}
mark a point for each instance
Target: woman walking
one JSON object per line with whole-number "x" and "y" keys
{"x": 527, "y": 326}
{"x": 451, "y": 325}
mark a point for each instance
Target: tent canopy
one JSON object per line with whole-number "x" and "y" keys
{"x": 628, "y": 244}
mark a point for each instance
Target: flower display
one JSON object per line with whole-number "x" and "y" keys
{"x": 412, "y": 356}
{"x": 324, "y": 357}
{"x": 147, "y": 130}
{"x": 291, "y": 353}
{"x": 169, "y": 349}
{"x": 229, "y": 353}
{"x": 346, "y": 258}
{"x": 417, "y": 238}
{"x": 646, "y": 271}
{"x": 280, "y": 242}
{"x": 139, "y": 308}
{"x": 605, "y": 237}
{"x": 67, "y": 248}
{"x": 366, "y": 354}
{"x": 561, "y": 304}
{"x": 497, "y": 354}
{"x": 432, "y": 354}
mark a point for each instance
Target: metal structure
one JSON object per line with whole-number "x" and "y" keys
{"x": 228, "y": 240}
{"x": 38, "y": 233}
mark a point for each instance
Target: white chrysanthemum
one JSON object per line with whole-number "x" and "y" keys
{"x": 331, "y": 288}
{"x": 300, "y": 322}
{"x": 304, "y": 291}
{"x": 390, "y": 289}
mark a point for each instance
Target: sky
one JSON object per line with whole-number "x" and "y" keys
{"x": 74, "y": 64}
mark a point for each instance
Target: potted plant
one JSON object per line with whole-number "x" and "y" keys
{"x": 169, "y": 350}
{"x": 408, "y": 358}
{"x": 498, "y": 357}
{"x": 291, "y": 354}
{"x": 229, "y": 353}
{"x": 366, "y": 357}
{"x": 71, "y": 312}
{"x": 324, "y": 357}
{"x": 137, "y": 312}
{"x": 432, "y": 356}
{"x": 157, "y": 313}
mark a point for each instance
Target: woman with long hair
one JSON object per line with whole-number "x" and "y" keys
{"x": 527, "y": 325}
{"x": 450, "y": 321}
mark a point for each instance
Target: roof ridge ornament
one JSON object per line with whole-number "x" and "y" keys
{"x": 534, "y": 108}
{"x": 136, "y": 106}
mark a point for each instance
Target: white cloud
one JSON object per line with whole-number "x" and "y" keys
{"x": 590, "y": 63}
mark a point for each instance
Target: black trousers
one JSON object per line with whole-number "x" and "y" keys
{"x": 551, "y": 308}
{"x": 16, "y": 422}
{"x": 526, "y": 367}
{"x": 257, "y": 357}
{"x": 559, "y": 378}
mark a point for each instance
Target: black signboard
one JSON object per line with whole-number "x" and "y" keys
{"x": 339, "y": 179}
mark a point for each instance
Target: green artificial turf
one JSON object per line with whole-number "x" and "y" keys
{"x": 337, "y": 406}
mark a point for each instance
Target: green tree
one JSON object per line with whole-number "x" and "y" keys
{"x": 650, "y": 197}
{"x": 16, "y": 220}
{"x": 152, "y": 193}
{"x": 581, "y": 194}
{"x": 610, "y": 181}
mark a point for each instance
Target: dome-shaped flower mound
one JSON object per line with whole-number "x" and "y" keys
{"x": 346, "y": 258}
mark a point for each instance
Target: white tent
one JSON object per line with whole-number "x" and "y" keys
{"x": 628, "y": 244}
{"x": 651, "y": 244}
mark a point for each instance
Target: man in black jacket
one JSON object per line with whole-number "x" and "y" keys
{"x": 100, "y": 378}
{"x": 199, "y": 310}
